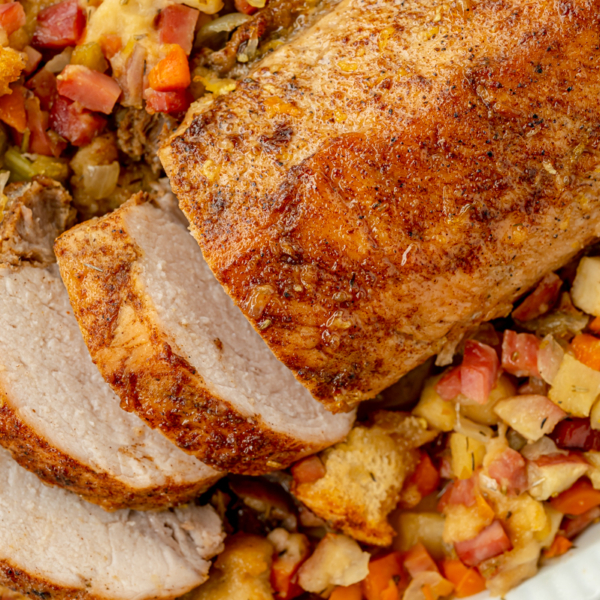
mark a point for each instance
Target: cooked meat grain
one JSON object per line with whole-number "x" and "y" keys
{"x": 36, "y": 213}
{"x": 176, "y": 349}
{"x": 62, "y": 421}
{"x": 393, "y": 177}
{"x": 55, "y": 545}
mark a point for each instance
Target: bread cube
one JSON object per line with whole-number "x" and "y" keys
{"x": 586, "y": 286}
{"x": 575, "y": 387}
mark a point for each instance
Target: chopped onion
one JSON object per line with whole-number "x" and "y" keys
{"x": 100, "y": 181}
{"x": 257, "y": 3}
{"x": 550, "y": 356}
{"x": 544, "y": 446}
{"x": 60, "y": 61}
{"x": 481, "y": 433}
{"x": 226, "y": 23}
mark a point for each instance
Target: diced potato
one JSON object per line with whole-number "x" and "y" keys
{"x": 484, "y": 413}
{"x": 575, "y": 387}
{"x": 412, "y": 528}
{"x": 586, "y": 286}
{"x": 511, "y": 568}
{"x": 594, "y": 471}
{"x": 242, "y": 570}
{"x": 466, "y": 455}
{"x": 548, "y": 480}
{"x": 337, "y": 560}
{"x": 553, "y": 520}
{"x": 437, "y": 412}
{"x": 466, "y": 522}
{"x": 521, "y": 515}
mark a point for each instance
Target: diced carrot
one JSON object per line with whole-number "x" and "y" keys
{"x": 579, "y": 498}
{"x": 426, "y": 476}
{"x": 427, "y": 593}
{"x": 172, "y": 72}
{"x": 110, "y": 45}
{"x": 417, "y": 560}
{"x": 12, "y": 109}
{"x": 559, "y": 546}
{"x": 595, "y": 325}
{"x": 351, "y": 592}
{"x": 40, "y": 140}
{"x": 385, "y": 573}
{"x": 587, "y": 350}
{"x": 308, "y": 470}
{"x": 467, "y": 581}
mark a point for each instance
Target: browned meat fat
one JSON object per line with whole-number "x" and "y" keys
{"x": 394, "y": 176}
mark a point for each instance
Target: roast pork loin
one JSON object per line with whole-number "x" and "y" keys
{"x": 177, "y": 350}
{"x": 55, "y": 545}
{"x": 58, "y": 417}
{"x": 395, "y": 175}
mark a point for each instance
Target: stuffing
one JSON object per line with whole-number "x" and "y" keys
{"x": 11, "y": 65}
{"x": 363, "y": 476}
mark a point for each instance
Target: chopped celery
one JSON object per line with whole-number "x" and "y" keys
{"x": 20, "y": 167}
{"x": 51, "y": 167}
{"x": 91, "y": 56}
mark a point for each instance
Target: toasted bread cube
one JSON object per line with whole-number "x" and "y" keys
{"x": 364, "y": 476}
{"x": 575, "y": 387}
{"x": 586, "y": 286}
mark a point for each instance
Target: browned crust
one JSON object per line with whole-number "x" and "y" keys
{"x": 409, "y": 218}
{"x": 54, "y": 467}
{"x": 142, "y": 365}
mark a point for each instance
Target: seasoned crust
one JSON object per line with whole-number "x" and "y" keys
{"x": 54, "y": 467}
{"x": 394, "y": 198}
{"x": 120, "y": 326}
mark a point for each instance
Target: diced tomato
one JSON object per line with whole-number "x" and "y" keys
{"x": 177, "y": 24}
{"x": 520, "y": 354}
{"x": 93, "y": 90}
{"x": 110, "y": 45}
{"x": 167, "y": 102}
{"x": 172, "y": 73}
{"x": 578, "y": 499}
{"x": 587, "y": 350}
{"x": 386, "y": 576}
{"x": 40, "y": 141}
{"x": 461, "y": 491}
{"x": 541, "y": 300}
{"x": 43, "y": 85}
{"x": 449, "y": 386}
{"x": 573, "y": 526}
{"x": 426, "y": 477}
{"x": 33, "y": 59}
{"x": 576, "y": 434}
{"x": 510, "y": 471}
{"x": 244, "y": 7}
{"x": 308, "y": 470}
{"x": 490, "y": 542}
{"x": 417, "y": 560}
{"x": 12, "y": 108}
{"x": 479, "y": 371}
{"x": 59, "y": 26}
{"x": 74, "y": 123}
{"x": 12, "y": 17}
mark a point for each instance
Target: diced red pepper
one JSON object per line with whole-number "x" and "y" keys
{"x": 541, "y": 300}
{"x": 172, "y": 73}
{"x": 59, "y": 26}
{"x": 43, "y": 85}
{"x": 417, "y": 560}
{"x": 308, "y": 470}
{"x": 12, "y": 17}
{"x": 449, "y": 386}
{"x": 177, "y": 24}
{"x": 40, "y": 142}
{"x": 490, "y": 542}
{"x": 510, "y": 471}
{"x": 576, "y": 434}
{"x": 12, "y": 108}
{"x": 479, "y": 371}
{"x": 167, "y": 102}
{"x": 93, "y": 90}
{"x": 461, "y": 491}
{"x": 520, "y": 354}
{"x": 74, "y": 123}
{"x": 244, "y": 7}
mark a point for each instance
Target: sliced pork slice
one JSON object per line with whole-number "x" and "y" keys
{"x": 55, "y": 545}
{"x": 58, "y": 416}
{"x": 178, "y": 352}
